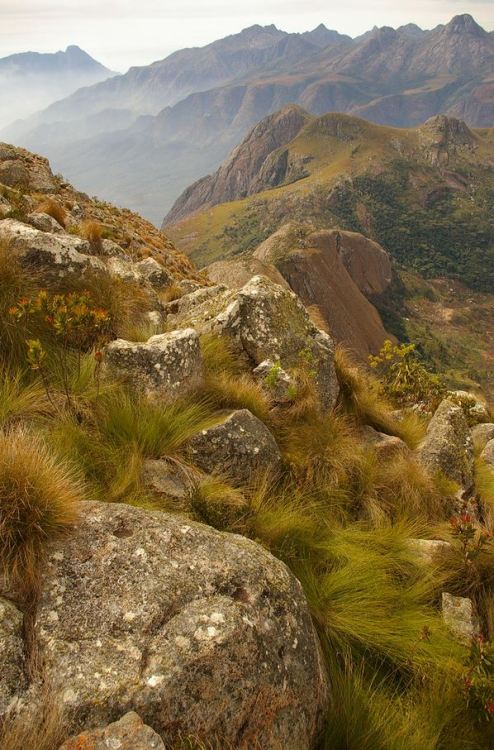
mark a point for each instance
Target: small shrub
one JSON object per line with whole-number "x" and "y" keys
{"x": 405, "y": 379}
{"x": 54, "y": 209}
{"x": 39, "y": 499}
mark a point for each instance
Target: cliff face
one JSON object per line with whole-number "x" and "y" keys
{"x": 242, "y": 173}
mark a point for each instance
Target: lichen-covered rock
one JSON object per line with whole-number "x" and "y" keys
{"x": 460, "y": 617}
{"x": 154, "y": 273}
{"x": 123, "y": 269}
{"x": 267, "y": 321}
{"x": 482, "y": 434}
{"x": 13, "y": 173}
{"x": 241, "y": 446}
{"x": 279, "y": 385}
{"x": 384, "y": 445}
{"x": 110, "y": 249}
{"x": 198, "y": 308}
{"x": 44, "y": 222}
{"x": 167, "y": 366}
{"x": 475, "y": 410}
{"x": 52, "y": 254}
{"x": 129, "y": 733}
{"x": 448, "y": 445}
{"x": 12, "y": 676}
{"x": 201, "y": 633}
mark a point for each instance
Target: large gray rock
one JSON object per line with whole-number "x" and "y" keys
{"x": 167, "y": 366}
{"x": 198, "y": 308}
{"x": 201, "y": 633}
{"x": 53, "y": 254}
{"x": 482, "y": 434}
{"x": 130, "y": 733}
{"x": 241, "y": 447}
{"x": 11, "y": 653}
{"x": 267, "y": 321}
{"x": 460, "y": 617}
{"x": 448, "y": 446}
{"x": 154, "y": 273}
{"x": 44, "y": 222}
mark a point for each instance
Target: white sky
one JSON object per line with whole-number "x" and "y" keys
{"x": 121, "y": 33}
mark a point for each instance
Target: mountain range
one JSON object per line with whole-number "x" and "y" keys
{"x": 140, "y": 138}
{"x": 30, "y": 81}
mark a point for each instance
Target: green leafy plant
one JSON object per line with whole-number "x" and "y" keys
{"x": 404, "y": 378}
{"x": 72, "y": 323}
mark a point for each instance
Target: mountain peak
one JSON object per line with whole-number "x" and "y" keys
{"x": 464, "y": 23}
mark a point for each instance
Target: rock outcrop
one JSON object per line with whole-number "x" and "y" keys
{"x": 267, "y": 321}
{"x": 240, "y": 447}
{"x": 448, "y": 446}
{"x": 54, "y": 255}
{"x": 167, "y": 366}
{"x": 201, "y": 633}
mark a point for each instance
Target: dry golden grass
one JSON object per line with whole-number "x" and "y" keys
{"x": 91, "y": 231}
{"x": 39, "y": 503}
{"x": 171, "y": 293}
{"x": 54, "y": 209}
{"x": 42, "y": 729}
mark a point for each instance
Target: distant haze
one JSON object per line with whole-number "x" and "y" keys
{"x": 121, "y": 33}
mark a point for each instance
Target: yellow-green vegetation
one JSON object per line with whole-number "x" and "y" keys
{"x": 338, "y": 515}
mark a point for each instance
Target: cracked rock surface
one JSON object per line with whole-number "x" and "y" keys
{"x": 166, "y": 366}
{"x": 239, "y": 447}
{"x": 199, "y": 632}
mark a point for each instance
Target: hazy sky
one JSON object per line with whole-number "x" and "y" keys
{"x": 121, "y": 33}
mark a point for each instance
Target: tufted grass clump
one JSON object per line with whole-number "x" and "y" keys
{"x": 92, "y": 231}
{"x": 39, "y": 502}
{"x": 20, "y": 400}
{"x": 54, "y": 209}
